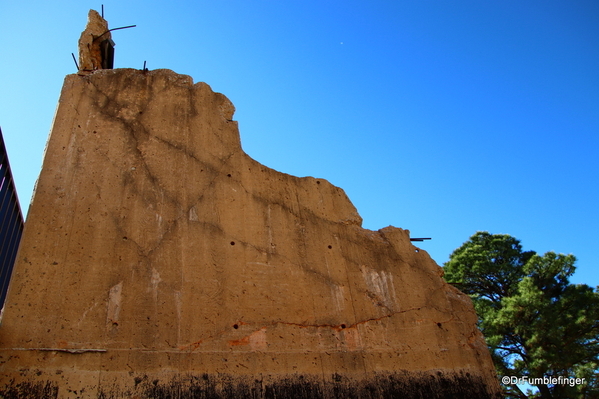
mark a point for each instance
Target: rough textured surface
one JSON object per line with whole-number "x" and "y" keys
{"x": 90, "y": 53}
{"x": 160, "y": 261}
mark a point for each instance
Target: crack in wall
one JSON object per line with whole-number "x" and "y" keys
{"x": 245, "y": 340}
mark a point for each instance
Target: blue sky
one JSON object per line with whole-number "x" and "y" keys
{"x": 441, "y": 117}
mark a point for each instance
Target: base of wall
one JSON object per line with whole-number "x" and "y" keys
{"x": 434, "y": 385}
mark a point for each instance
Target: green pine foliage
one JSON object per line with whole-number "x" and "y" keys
{"x": 535, "y": 322}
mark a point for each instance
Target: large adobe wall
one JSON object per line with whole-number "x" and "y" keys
{"x": 159, "y": 260}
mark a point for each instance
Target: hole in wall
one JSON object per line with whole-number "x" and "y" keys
{"x": 330, "y": 246}
{"x": 342, "y": 325}
{"x": 236, "y": 326}
{"x": 232, "y": 242}
{"x": 228, "y": 175}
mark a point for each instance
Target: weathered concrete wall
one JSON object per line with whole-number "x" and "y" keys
{"x": 160, "y": 261}
{"x": 90, "y": 52}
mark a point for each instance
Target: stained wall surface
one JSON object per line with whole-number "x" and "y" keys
{"x": 159, "y": 260}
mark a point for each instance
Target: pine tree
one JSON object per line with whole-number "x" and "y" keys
{"x": 536, "y": 323}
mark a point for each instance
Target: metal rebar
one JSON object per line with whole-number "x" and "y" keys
{"x": 122, "y": 27}
{"x": 74, "y": 59}
{"x": 110, "y": 30}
